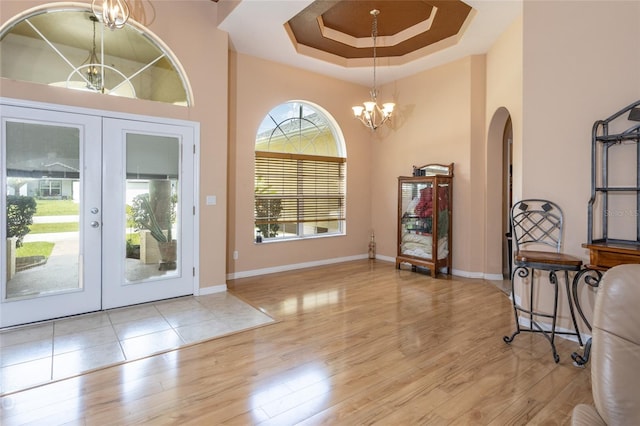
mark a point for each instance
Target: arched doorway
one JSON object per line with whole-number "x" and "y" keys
{"x": 499, "y": 189}
{"x": 507, "y": 195}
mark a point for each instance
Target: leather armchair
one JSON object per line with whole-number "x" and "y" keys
{"x": 615, "y": 351}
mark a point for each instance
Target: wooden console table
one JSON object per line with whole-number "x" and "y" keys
{"x": 607, "y": 255}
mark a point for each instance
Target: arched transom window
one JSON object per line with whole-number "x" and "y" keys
{"x": 67, "y": 46}
{"x": 300, "y": 166}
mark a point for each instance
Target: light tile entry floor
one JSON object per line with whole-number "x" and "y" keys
{"x": 35, "y": 354}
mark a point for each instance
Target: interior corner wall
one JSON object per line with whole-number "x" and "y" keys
{"x": 478, "y": 199}
{"x": 433, "y": 124}
{"x": 257, "y": 86}
{"x": 207, "y": 72}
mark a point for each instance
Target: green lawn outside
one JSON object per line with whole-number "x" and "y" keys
{"x": 45, "y": 228}
{"x": 134, "y": 238}
{"x": 56, "y": 208}
{"x": 35, "y": 249}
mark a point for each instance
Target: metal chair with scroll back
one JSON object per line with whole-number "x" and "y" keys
{"x": 537, "y": 229}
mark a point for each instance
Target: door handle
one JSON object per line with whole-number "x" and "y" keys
{"x": 95, "y": 224}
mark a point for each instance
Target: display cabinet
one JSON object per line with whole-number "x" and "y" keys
{"x": 424, "y": 218}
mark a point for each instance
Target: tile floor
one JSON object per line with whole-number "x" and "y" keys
{"x": 36, "y": 354}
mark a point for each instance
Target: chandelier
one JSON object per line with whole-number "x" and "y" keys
{"x": 371, "y": 114}
{"x": 94, "y": 68}
{"x": 114, "y": 13}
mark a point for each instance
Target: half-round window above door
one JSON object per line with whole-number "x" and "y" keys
{"x": 68, "y": 47}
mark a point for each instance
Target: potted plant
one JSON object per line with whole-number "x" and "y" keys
{"x": 155, "y": 212}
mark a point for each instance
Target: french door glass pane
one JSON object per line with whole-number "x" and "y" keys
{"x": 43, "y": 173}
{"x": 152, "y": 206}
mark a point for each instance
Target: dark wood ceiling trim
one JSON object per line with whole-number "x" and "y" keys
{"x": 353, "y": 18}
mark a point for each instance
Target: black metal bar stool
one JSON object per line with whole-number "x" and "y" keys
{"x": 590, "y": 276}
{"x": 537, "y": 225}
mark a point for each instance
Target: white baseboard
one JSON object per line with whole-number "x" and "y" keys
{"x": 386, "y": 258}
{"x": 284, "y": 268}
{"x": 292, "y": 267}
{"x": 477, "y": 275}
{"x": 212, "y": 289}
{"x": 547, "y": 327}
{"x": 457, "y": 272}
{"x": 493, "y": 277}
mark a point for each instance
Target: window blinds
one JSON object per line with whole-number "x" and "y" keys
{"x": 296, "y": 188}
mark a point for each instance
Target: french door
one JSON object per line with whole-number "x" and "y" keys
{"x": 148, "y": 204}
{"x": 96, "y": 212}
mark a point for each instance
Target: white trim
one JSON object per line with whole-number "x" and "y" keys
{"x": 467, "y": 274}
{"x": 196, "y": 204}
{"x": 457, "y": 272}
{"x": 97, "y": 112}
{"x": 212, "y": 289}
{"x": 494, "y": 277}
{"x": 386, "y": 258}
{"x": 284, "y": 268}
{"x": 477, "y": 275}
{"x": 524, "y": 322}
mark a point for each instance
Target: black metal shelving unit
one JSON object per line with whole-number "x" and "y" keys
{"x": 601, "y": 142}
{"x": 605, "y": 251}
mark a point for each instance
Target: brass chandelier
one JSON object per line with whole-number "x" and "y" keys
{"x": 370, "y": 113}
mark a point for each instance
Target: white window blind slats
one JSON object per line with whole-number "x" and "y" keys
{"x": 298, "y": 188}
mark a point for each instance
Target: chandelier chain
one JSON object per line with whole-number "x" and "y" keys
{"x": 94, "y": 68}
{"x": 370, "y": 113}
{"x": 374, "y": 36}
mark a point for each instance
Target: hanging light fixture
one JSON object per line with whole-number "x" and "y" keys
{"x": 114, "y": 13}
{"x": 94, "y": 67}
{"x": 371, "y": 114}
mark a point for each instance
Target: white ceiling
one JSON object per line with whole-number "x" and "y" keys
{"x": 256, "y": 28}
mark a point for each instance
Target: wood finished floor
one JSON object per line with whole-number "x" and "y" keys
{"x": 358, "y": 343}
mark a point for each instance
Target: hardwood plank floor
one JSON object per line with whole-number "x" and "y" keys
{"x": 358, "y": 343}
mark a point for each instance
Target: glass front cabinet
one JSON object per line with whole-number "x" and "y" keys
{"x": 424, "y": 218}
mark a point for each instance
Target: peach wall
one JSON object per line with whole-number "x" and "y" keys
{"x": 434, "y": 124}
{"x": 207, "y": 72}
{"x": 573, "y": 78}
{"x": 256, "y": 86}
{"x": 581, "y": 64}
{"x": 478, "y": 201}
{"x": 504, "y": 99}
{"x": 541, "y": 73}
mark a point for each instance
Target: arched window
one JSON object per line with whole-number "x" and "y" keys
{"x": 300, "y": 168}
{"x": 68, "y": 47}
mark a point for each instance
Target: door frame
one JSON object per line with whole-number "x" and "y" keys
{"x": 195, "y": 126}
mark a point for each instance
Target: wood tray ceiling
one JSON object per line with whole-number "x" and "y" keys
{"x": 343, "y": 28}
